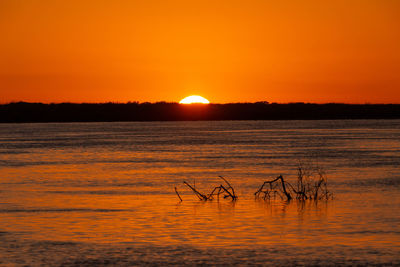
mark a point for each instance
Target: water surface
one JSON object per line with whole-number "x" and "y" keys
{"x": 103, "y": 193}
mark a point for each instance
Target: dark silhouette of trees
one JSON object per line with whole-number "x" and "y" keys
{"x": 163, "y": 111}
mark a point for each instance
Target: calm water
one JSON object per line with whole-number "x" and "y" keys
{"x": 103, "y": 193}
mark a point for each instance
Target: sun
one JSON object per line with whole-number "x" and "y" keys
{"x": 194, "y": 99}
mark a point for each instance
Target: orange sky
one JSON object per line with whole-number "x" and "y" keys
{"x": 226, "y": 50}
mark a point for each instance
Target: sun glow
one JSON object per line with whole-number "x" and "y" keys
{"x": 194, "y": 99}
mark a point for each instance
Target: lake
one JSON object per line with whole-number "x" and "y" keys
{"x": 103, "y": 193}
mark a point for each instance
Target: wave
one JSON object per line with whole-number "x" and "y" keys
{"x": 61, "y": 210}
{"x": 381, "y": 182}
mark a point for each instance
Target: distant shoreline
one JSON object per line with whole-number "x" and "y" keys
{"x": 162, "y": 111}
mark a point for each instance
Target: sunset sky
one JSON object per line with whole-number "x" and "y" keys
{"x": 226, "y": 51}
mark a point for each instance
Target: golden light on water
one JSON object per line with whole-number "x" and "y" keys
{"x": 194, "y": 99}
{"x": 58, "y": 208}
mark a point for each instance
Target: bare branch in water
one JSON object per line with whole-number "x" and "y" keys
{"x": 311, "y": 184}
{"x": 216, "y": 191}
{"x": 176, "y": 191}
{"x": 229, "y": 186}
{"x": 272, "y": 185}
{"x": 198, "y": 194}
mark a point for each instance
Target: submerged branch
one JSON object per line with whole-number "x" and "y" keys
{"x": 216, "y": 191}
{"x": 176, "y": 191}
{"x": 272, "y": 184}
{"x": 311, "y": 185}
{"x": 198, "y": 194}
{"x": 229, "y": 187}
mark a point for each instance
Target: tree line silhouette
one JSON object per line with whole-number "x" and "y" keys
{"x": 163, "y": 111}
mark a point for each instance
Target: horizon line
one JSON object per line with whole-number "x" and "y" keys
{"x": 211, "y": 103}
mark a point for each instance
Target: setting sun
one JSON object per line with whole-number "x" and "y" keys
{"x": 194, "y": 99}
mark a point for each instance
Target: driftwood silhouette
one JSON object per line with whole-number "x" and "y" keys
{"x": 227, "y": 191}
{"x": 311, "y": 185}
{"x": 273, "y": 188}
{"x": 176, "y": 191}
{"x": 197, "y": 193}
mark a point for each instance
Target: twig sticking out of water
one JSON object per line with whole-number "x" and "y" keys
{"x": 311, "y": 185}
{"x": 273, "y": 188}
{"x": 221, "y": 189}
{"x": 197, "y": 193}
{"x": 233, "y": 195}
{"x": 176, "y": 191}
{"x": 217, "y": 191}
